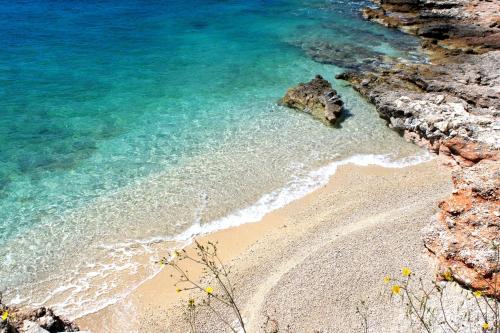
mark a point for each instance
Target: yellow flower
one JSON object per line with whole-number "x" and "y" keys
{"x": 387, "y": 279}
{"x": 447, "y": 276}
{"x": 485, "y": 326}
{"x": 406, "y": 271}
{"x": 5, "y": 315}
{"x": 396, "y": 289}
{"x": 178, "y": 290}
{"x": 477, "y": 293}
{"x": 209, "y": 290}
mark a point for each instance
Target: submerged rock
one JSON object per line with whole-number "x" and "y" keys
{"x": 342, "y": 55}
{"x": 349, "y": 56}
{"x": 316, "y": 97}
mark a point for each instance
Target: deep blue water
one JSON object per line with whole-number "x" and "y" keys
{"x": 132, "y": 120}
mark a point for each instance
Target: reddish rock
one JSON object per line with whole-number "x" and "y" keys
{"x": 451, "y": 106}
{"x": 466, "y": 233}
{"x": 471, "y": 151}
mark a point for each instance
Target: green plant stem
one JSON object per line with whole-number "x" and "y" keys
{"x": 221, "y": 318}
{"x": 444, "y": 312}
{"x": 422, "y": 321}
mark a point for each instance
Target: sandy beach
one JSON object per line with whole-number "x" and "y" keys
{"x": 309, "y": 264}
{"x": 131, "y": 132}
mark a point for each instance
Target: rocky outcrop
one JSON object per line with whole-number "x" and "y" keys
{"x": 464, "y": 235}
{"x": 316, "y": 97}
{"x": 433, "y": 104}
{"x": 452, "y": 26}
{"x": 451, "y": 106}
{"x": 39, "y": 320}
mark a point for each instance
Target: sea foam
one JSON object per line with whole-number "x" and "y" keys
{"x": 297, "y": 188}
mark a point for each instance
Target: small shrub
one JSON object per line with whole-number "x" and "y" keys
{"x": 427, "y": 306}
{"x": 221, "y": 294}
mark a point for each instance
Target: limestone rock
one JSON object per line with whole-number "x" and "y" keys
{"x": 463, "y": 234}
{"x": 454, "y": 104}
{"x": 468, "y": 25}
{"x": 316, "y": 97}
{"x": 451, "y": 106}
{"x": 41, "y": 320}
{"x": 32, "y": 327}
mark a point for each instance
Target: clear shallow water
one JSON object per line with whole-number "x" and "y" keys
{"x": 123, "y": 124}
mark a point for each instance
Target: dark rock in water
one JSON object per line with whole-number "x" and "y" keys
{"x": 4, "y": 181}
{"x": 344, "y": 55}
{"x": 316, "y": 97}
{"x": 198, "y": 25}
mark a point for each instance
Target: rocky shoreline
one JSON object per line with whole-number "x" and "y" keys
{"x": 452, "y": 106}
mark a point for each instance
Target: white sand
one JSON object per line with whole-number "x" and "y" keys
{"x": 309, "y": 264}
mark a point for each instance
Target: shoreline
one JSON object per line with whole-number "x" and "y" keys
{"x": 461, "y": 154}
{"x": 154, "y": 297}
{"x": 283, "y": 242}
{"x": 259, "y": 210}
{"x": 451, "y": 107}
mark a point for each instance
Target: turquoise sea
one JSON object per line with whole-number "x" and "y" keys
{"x": 129, "y": 126}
